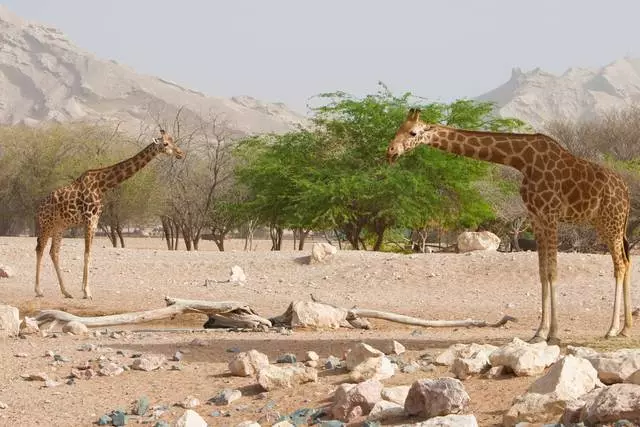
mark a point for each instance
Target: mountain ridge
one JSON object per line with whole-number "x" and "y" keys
{"x": 45, "y": 77}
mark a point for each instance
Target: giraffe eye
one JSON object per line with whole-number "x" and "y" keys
{"x": 413, "y": 133}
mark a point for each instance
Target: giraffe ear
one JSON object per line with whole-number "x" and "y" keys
{"x": 162, "y": 131}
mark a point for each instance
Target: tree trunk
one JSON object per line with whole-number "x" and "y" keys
{"x": 380, "y": 226}
{"x": 119, "y": 232}
{"x": 276, "y": 237}
{"x": 303, "y": 237}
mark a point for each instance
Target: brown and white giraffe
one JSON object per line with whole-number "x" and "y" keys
{"x": 80, "y": 203}
{"x": 556, "y": 186}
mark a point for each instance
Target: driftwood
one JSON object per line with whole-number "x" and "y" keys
{"x": 233, "y": 310}
{"x": 234, "y": 314}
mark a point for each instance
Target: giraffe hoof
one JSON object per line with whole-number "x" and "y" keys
{"x": 553, "y": 341}
{"x": 39, "y": 295}
{"x": 68, "y": 296}
{"x": 537, "y": 339}
{"x": 625, "y": 332}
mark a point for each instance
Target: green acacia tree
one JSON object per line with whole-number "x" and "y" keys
{"x": 336, "y": 176}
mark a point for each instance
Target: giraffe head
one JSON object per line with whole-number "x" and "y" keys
{"x": 167, "y": 145}
{"x": 411, "y": 133}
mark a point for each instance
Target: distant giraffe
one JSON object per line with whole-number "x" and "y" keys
{"x": 80, "y": 202}
{"x": 556, "y": 186}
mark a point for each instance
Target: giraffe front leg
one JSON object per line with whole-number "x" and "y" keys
{"x": 88, "y": 240}
{"x": 543, "y": 330}
{"x": 621, "y": 271}
{"x": 56, "y": 242}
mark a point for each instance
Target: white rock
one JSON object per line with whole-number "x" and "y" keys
{"x": 374, "y": 368}
{"x": 464, "y": 351}
{"x": 435, "y": 397}
{"x": 275, "y": 377}
{"x": 311, "y": 356}
{"x": 392, "y": 347}
{"x": 569, "y": 378}
{"x": 383, "y": 410}
{"x": 449, "y": 421}
{"x": 525, "y": 359}
{"x": 464, "y": 368}
{"x": 321, "y": 252}
{"x": 534, "y": 408}
{"x": 616, "y": 366}
{"x": 29, "y": 326}
{"x": 248, "y": 363}
{"x": 237, "y": 274}
{"x": 310, "y": 314}
{"x": 9, "y": 321}
{"x": 477, "y": 241}
{"x": 75, "y": 328}
{"x": 191, "y": 418}
{"x": 360, "y": 353}
{"x": 248, "y": 424}
{"x": 617, "y": 402}
{"x": 148, "y": 362}
{"x": 396, "y": 394}
{"x": 351, "y": 396}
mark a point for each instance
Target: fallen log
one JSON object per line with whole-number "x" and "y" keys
{"x": 234, "y": 314}
{"x": 238, "y": 313}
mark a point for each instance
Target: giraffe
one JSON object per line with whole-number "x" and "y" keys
{"x": 80, "y": 203}
{"x": 556, "y": 186}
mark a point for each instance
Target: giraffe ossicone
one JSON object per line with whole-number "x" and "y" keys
{"x": 556, "y": 187}
{"x": 80, "y": 203}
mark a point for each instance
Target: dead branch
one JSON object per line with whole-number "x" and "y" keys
{"x": 399, "y": 318}
{"x": 237, "y": 313}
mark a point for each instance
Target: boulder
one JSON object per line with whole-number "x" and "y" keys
{"x": 248, "y": 363}
{"x": 322, "y": 252}
{"x": 432, "y": 398}
{"x": 617, "y": 402}
{"x": 574, "y": 408}
{"x": 616, "y": 366}
{"x": 383, "y": 410}
{"x": 534, "y": 408}
{"x": 237, "y": 274}
{"x": 449, "y": 421}
{"x": 148, "y": 362}
{"x": 275, "y": 377}
{"x": 525, "y": 359}
{"x": 569, "y": 378}
{"x": 366, "y": 363}
{"x": 477, "y": 241}
{"x": 396, "y": 394}
{"x": 464, "y": 368}
{"x": 191, "y": 418}
{"x": 9, "y": 321}
{"x": 464, "y": 351}
{"x": 392, "y": 347}
{"x": 310, "y": 314}
{"x": 364, "y": 395}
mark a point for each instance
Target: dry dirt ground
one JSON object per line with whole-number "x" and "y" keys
{"x": 432, "y": 286}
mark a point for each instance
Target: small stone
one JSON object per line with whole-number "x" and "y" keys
{"x": 104, "y": 420}
{"x": 177, "y": 357}
{"x": 227, "y": 396}
{"x": 60, "y": 358}
{"x": 21, "y": 355}
{"x": 237, "y": 274}
{"x": 3, "y": 405}
{"x": 118, "y": 418}
{"x": 148, "y": 362}
{"x": 51, "y": 383}
{"x": 190, "y": 402}
{"x": 40, "y": 376}
{"x": 83, "y": 374}
{"x": 332, "y": 363}
{"x": 287, "y": 358}
{"x": 162, "y": 423}
{"x": 311, "y": 363}
{"x": 29, "y": 326}
{"x": 311, "y": 356}
{"x": 110, "y": 370}
{"x": 141, "y": 406}
{"x": 49, "y": 353}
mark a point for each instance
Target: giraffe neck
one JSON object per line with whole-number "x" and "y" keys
{"x": 515, "y": 150}
{"x": 110, "y": 176}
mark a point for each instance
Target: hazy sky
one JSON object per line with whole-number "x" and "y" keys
{"x": 290, "y": 50}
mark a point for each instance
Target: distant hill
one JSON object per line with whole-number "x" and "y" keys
{"x": 580, "y": 93}
{"x": 45, "y": 77}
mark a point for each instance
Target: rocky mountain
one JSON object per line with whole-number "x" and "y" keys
{"x": 580, "y": 93}
{"x": 45, "y": 77}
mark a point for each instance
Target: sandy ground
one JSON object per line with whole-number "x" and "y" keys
{"x": 432, "y": 286}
